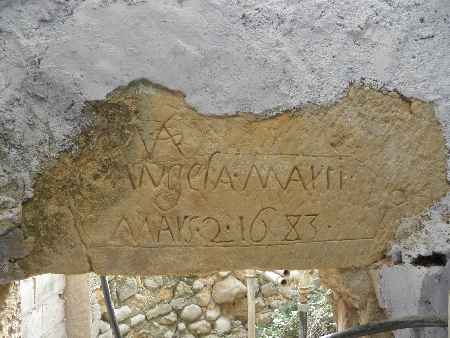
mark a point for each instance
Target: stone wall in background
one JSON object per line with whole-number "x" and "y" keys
{"x": 10, "y": 318}
{"x": 212, "y": 305}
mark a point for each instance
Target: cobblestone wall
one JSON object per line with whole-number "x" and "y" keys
{"x": 207, "y": 306}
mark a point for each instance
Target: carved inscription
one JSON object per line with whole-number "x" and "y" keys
{"x": 225, "y": 186}
{"x": 265, "y": 227}
{"x": 198, "y": 176}
{"x": 160, "y": 187}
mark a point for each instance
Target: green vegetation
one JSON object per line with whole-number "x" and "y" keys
{"x": 285, "y": 321}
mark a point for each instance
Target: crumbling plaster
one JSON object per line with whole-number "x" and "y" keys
{"x": 227, "y": 56}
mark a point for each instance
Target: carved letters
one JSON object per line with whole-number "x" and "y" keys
{"x": 297, "y": 176}
{"x": 162, "y": 188}
{"x": 194, "y": 230}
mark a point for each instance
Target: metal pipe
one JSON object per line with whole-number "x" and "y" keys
{"x": 110, "y": 307}
{"x": 391, "y": 325}
{"x": 272, "y": 277}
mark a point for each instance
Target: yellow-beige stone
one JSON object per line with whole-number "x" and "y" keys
{"x": 155, "y": 187}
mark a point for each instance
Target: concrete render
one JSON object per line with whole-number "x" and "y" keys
{"x": 226, "y": 56}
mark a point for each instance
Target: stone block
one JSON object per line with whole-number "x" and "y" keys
{"x": 222, "y": 325}
{"x": 228, "y": 290}
{"x": 127, "y": 288}
{"x": 124, "y": 329}
{"x": 107, "y": 334}
{"x": 169, "y": 319}
{"x": 103, "y": 326}
{"x": 136, "y": 320}
{"x": 191, "y": 313}
{"x": 201, "y": 327}
{"x": 183, "y": 290}
{"x": 203, "y": 297}
{"x": 159, "y": 310}
{"x": 213, "y": 313}
{"x": 122, "y": 313}
{"x": 179, "y": 303}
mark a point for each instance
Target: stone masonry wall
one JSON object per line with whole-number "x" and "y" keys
{"x": 212, "y": 305}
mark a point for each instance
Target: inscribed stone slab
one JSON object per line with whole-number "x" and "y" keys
{"x": 155, "y": 187}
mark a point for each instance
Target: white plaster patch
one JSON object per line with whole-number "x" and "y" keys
{"x": 230, "y": 56}
{"x": 227, "y": 56}
{"x": 42, "y": 306}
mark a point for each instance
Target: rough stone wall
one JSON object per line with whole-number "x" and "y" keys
{"x": 226, "y": 56}
{"x": 10, "y": 320}
{"x": 211, "y": 305}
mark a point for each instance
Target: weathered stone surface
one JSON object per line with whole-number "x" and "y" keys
{"x": 181, "y": 327}
{"x": 124, "y": 329}
{"x": 222, "y": 325}
{"x": 165, "y": 293}
{"x": 191, "y": 313}
{"x": 107, "y": 334}
{"x": 122, "y": 313}
{"x": 213, "y": 313}
{"x": 183, "y": 290}
{"x": 269, "y": 290}
{"x": 159, "y": 310}
{"x": 156, "y": 330}
{"x": 11, "y": 310}
{"x": 188, "y": 336}
{"x": 154, "y": 181}
{"x": 223, "y": 274}
{"x": 354, "y": 297}
{"x": 104, "y": 326}
{"x": 228, "y": 290}
{"x": 187, "y": 310}
{"x": 199, "y": 284}
{"x": 203, "y": 297}
{"x": 179, "y": 303}
{"x": 201, "y": 327}
{"x": 260, "y": 304}
{"x": 168, "y": 319}
{"x": 127, "y": 289}
{"x": 153, "y": 282}
{"x": 136, "y": 320}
